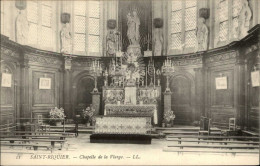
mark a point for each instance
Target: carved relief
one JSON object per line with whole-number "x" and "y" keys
{"x": 221, "y": 57}
{"x": 43, "y": 60}
{"x": 187, "y": 62}
{"x": 22, "y": 28}
{"x": 9, "y": 53}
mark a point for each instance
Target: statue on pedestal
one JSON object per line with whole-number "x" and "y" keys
{"x": 111, "y": 42}
{"x": 158, "y": 41}
{"x": 244, "y": 19}
{"x": 66, "y": 38}
{"x": 22, "y": 28}
{"x": 202, "y": 35}
{"x": 133, "y": 23}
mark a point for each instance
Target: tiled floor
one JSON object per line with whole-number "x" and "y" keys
{"x": 82, "y": 152}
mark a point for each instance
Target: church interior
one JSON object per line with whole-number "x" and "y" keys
{"x": 140, "y": 82}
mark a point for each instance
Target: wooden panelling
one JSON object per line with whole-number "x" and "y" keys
{"x": 220, "y": 103}
{"x": 43, "y": 97}
{"x": 181, "y": 99}
{"x": 10, "y": 96}
{"x": 222, "y": 97}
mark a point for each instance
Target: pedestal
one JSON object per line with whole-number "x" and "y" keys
{"x": 167, "y": 101}
{"x": 135, "y": 50}
{"x": 96, "y": 102}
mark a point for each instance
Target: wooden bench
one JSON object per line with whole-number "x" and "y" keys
{"x": 216, "y": 146}
{"x": 61, "y": 137}
{"x": 52, "y": 141}
{"x": 233, "y": 152}
{"x": 36, "y": 133}
{"x": 34, "y": 146}
{"x": 211, "y": 141}
{"x": 213, "y": 137}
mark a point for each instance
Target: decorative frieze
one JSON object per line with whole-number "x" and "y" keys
{"x": 5, "y": 52}
{"x": 43, "y": 59}
{"x": 252, "y": 48}
{"x": 222, "y": 57}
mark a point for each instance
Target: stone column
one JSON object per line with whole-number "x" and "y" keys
{"x": 167, "y": 103}
{"x": 199, "y": 94}
{"x": 96, "y": 102}
{"x": 25, "y": 112}
{"x": 67, "y": 87}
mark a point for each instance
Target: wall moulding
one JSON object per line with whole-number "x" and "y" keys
{"x": 6, "y": 52}
{"x": 46, "y": 60}
{"x": 222, "y": 57}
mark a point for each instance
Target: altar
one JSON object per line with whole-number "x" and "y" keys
{"x": 132, "y": 110}
{"x": 130, "y": 101}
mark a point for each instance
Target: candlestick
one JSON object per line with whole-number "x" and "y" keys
{"x": 146, "y": 75}
{"x": 154, "y": 77}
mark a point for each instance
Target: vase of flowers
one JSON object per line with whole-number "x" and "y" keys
{"x": 88, "y": 115}
{"x": 57, "y": 116}
{"x": 168, "y": 118}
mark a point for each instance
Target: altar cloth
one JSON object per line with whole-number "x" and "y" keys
{"x": 132, "y": 110}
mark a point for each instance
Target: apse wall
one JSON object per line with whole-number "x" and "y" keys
{"x": 113, "y": 10}
{"x": 193, "y": 83}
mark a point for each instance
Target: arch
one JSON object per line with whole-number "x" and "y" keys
{"x": 80, "y": 76}
{"x": 82, "y": 85}
{"x": 182, "y": 85}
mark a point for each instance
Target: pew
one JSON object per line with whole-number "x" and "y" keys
{"x": 216, "y": 146}
{"x": 36, "y": 133}
{"x": 61, "y": 137}
{"x": 222, "y": 151}
{"x": 211, "y": 141}
{"x": 30, "y": 146}
{"x": 214, "y": 137}
{"x": 52, "y": 141}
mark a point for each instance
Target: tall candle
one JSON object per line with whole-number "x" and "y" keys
{"x": 154, "y": 77}
{"x": 146, "y": 75}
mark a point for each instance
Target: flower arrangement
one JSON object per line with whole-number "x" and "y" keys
{"x": 169, "y": 116}
{"x": 57, "y": 114}
{"x": 88, "y": 114}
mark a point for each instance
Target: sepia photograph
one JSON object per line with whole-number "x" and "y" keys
{"x": 130, "y": 82}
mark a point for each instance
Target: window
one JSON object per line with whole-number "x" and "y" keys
{"x": 87, "y": 28}
{"x": 223, "y": 20}
{"x": 227, "y": 14}
{"x": 5, "y": 22}
{"x": 2, "y": 17}
{"x": 41, "y": 27}
{"x": 183, "y": 23}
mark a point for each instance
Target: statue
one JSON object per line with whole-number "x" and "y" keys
{"x": 202, "y": 35}
{"x": 111, "y": 43}
{"x": 65, "y": 38}
{"x": 158, "y": 41}
{"x": 133, "y": 23}
{"x": 244, "y": 18}
{"x": 22, "y": 28}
